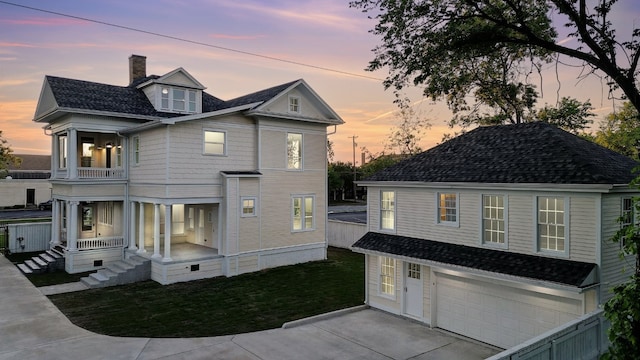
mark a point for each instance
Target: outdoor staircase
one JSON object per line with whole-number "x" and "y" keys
{"x": 48, "y": 261}
{"x": 133, "y": 269}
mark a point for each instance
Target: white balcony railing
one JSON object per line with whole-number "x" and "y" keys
{"x": 100, "y": 243}
{"x": 100, "y": 173}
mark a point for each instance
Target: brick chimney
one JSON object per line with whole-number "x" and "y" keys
{"x": 137, "y": 67}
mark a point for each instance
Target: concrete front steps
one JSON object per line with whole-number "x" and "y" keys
{"x": 48, "y": 261}
{"x": 133, "y": 269}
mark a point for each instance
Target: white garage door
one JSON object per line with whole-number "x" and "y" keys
{"x": 499, "y": 315}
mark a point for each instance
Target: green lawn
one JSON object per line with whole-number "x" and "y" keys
{"x": 220, "y": 306}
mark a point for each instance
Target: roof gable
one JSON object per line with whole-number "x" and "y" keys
{"x": 313, "y": 108}
{"x": 521, "y": 153}
{"x": 179, "y": 77}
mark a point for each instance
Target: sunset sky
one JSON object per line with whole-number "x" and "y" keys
{"x": 320, "y": 34}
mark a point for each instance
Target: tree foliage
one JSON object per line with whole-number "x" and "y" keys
{"x": 491, "y": 48}
{"x": 620, "y": 131}
{"x": 623, "y": 309}
{"x": 570, "y": 115}
{"x": 6, "y": 155}
{"x": 406, "y": 136}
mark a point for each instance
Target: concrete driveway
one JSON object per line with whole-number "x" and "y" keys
{"x": 31, "y": 327}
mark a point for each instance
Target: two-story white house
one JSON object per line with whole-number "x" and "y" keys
{"x": 200, "y": 186}
{"x": 499, "y": 234}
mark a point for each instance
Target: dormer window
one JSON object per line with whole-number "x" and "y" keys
{"x": 294, "y": 104}
{"x": 178, "y": 99}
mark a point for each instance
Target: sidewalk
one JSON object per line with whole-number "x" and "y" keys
{"x": 31, "y": 327}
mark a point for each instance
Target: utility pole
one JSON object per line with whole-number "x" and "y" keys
{"x": 353, "y": 139}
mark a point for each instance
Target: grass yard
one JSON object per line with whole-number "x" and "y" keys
{"x": 220, "y": 306}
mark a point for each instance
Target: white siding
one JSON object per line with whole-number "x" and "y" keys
{"x": 392, "y": 305}
{"x": 611, "y": 271}
{"x": 416, "y": 217}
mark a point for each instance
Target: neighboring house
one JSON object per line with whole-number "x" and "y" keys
{"x": 26, "y": 185}
{"x": 201, "y": 186}
{"x": 499, "y": 234}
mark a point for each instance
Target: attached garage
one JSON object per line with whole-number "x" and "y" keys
{"x": 493, "y": 296}
{"x": 497, "y": 314}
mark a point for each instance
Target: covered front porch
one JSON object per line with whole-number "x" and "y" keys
{"x": 191, "y": 230}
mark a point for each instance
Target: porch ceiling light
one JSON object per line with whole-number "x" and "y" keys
{"x": 109, "y": 145}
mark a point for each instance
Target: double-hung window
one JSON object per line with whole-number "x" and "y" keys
{"x": 387, "y": 276}
{"x": 448, "y": 208}
{"x": 136, "y": 150}
{"x": 387, "y": 210}
{"x": 493, "y": 223}
{"x": 248, "y": 206}
{"x": 302, "y": 212}
{"x": 552, "y": 224}
{"x": 177, "y": 219}
{"x": 627, "y": 218}
{"x": 62, "y": 152}
{"x": 294, "y": 151}
{"x": 214, "y": 142}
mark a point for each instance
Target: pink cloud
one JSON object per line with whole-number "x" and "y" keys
{"x": 14, "y": 44}
{"x": 39, "y": 21}
{"x": 236, "y": 37}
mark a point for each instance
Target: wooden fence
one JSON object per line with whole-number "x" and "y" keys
{"x": 582, "y": 339}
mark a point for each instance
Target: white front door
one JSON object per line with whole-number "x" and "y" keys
{"x": 413, "y": 296}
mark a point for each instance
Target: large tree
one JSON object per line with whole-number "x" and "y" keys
{"x": 6, "y": 156}
{"x": 620, "y": 131}
{"x": 491, "y": 47}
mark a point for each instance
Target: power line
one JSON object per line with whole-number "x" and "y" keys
{"x": 192, "y": 41}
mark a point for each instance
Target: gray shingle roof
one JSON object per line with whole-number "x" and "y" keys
{"x": 86, "y": 95}
{"x": 561, "y": 271}
{"x": 522, "y": 153}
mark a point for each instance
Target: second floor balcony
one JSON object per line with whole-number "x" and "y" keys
{"x": 86, "y": 155}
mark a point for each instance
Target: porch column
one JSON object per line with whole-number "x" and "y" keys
{"x": 72, "y": 225}
{"x": 72, "y": 153}
{"x": 132, "y": 224}
{"x": 156, "y": 231}
{"x": 55, "y": 222}
{"x": 141, "y": 229}
{"x": 167, "y": 232}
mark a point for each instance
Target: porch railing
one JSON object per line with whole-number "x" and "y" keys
{"x": 100, "y": 173}
{"x": 100, "y": 243}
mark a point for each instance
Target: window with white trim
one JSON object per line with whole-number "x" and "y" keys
{"x": 294, "y": 151}
{"x": 627, "y": 218}
{"x": 106, "y": 215}
{"x": 387, "y": 210}
{"x": 302, "y": 212}
{"x": 136, "y": 150}
{"x": 387, "y": 276}
{"x": 215, "y": 142}
{"x": 178, "y": 99}
{"x": 177, "y": 219}
{"x": 294, "y": 104}
{"x": 551, "y": 224}
{"x": 119, "y": 156}
{"x": 191, "y": 214}
{"x": 62, "y": 152}
{"x": 448, "y": 208}
{"x": 248, "y": 206}
{"x": 493, "y": 219}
